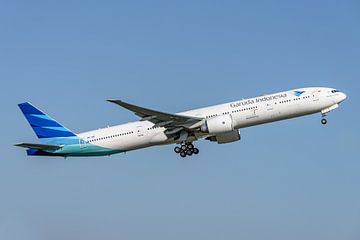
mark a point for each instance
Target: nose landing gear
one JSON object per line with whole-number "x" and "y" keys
{"x": 323, "y": 120}
{"x": 186, "y": 149}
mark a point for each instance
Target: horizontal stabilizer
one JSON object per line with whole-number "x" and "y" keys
{"x": 39, "y": 146}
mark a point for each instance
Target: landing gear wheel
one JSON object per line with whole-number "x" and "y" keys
{"x": 177, "y": 149}
{"x": 186, "y": 149}
{"x": 323, "y": 121}
{"x": 190, "y": 145}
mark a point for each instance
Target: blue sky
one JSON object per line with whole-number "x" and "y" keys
{"x": 290, "y": 180}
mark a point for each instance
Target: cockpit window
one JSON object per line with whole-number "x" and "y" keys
{"x": 335, "y": 91}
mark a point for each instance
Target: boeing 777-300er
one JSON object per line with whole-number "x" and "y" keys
{"x": 219, "y": 123}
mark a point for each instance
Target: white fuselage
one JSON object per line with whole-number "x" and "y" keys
{"x": 244, "y": 113}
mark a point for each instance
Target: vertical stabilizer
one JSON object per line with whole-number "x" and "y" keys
{"x": 44, "y": 126}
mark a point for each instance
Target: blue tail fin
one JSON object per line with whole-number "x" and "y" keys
{"x": 43, "y": 125}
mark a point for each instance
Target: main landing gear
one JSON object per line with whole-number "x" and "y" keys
{"x": 186, "y": 149}
{"x": 323, "y": 120}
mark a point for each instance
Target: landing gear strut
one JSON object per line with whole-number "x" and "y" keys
{"x": 323, "y": 120}
{"x": 186, "y": 149}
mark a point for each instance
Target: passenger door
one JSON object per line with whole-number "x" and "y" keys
{"x": 269, "y": 106}
{"x": 140, "y": 131}
{"x": 82, "y": 143}
{"x": 316, "y": 97}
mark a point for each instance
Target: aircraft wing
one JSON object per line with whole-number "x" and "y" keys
{"x": 39, "y": 146}
{"x": 173, "y": 122}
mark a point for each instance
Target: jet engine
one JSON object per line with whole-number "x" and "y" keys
{"x": 218, "y": 125}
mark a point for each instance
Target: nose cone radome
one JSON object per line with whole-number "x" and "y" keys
{"x": 342, "y": 97}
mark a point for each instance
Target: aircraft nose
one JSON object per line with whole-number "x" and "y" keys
{"x": 342, "y": 97}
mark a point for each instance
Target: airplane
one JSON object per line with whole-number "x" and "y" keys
{"x": 219, "y": 123}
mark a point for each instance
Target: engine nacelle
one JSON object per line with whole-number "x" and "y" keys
{"x": 226, "y": 137}
{"x": 218, "y": 125}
